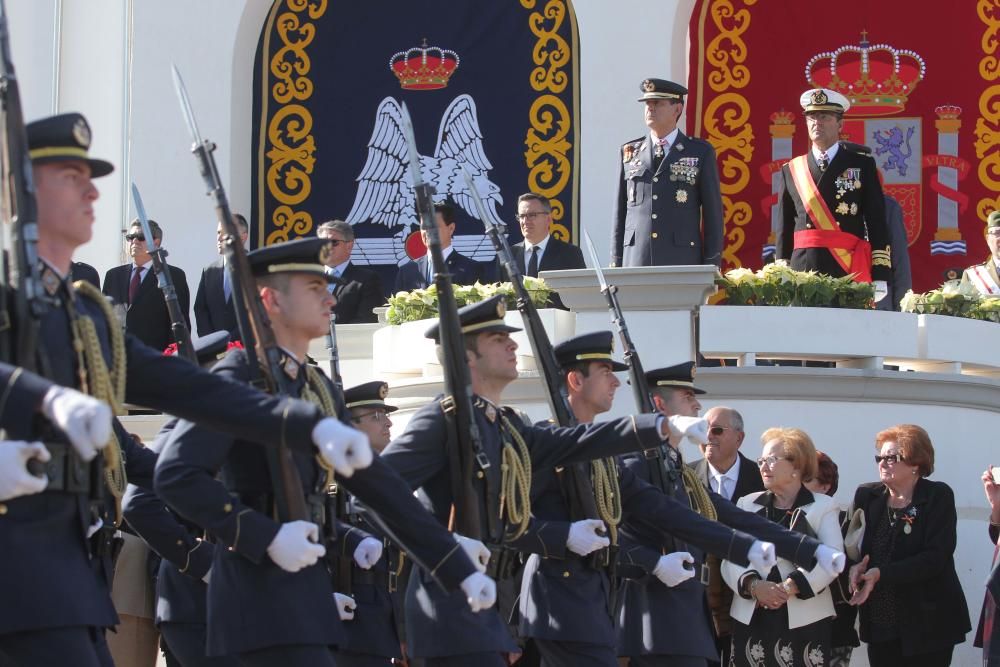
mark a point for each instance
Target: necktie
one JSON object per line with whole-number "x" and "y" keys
{"x": 533, "y": 262}
{"x": 133, "y": 286}
{"x": 227, "y": 288}
{"x": 429, "y": 272}
{"x": 824, "y": 161}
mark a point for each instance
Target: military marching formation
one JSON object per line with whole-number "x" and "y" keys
{"x": 293, "y": 530}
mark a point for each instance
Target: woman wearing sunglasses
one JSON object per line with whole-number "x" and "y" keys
{"x": 912, "y": 611}
{"x": 784, "y": 617}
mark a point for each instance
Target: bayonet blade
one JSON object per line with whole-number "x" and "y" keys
{"x": 140, "y": 212}
{"x": 480, "y": 204}
{"x": 185, "y": 105}
{"x": 597, "y": 262}
{"x": 411, "y": 145}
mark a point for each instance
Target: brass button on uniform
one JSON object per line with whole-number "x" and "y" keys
{"x": 654, "y": 216}
{"x": 654, "y": 235}
{"x": 3, "y": 509}
{"x": 692, "y": 244}
{"x": 656, "y": 180}
{"x": 654, "y": 196}
{"x": 228, "y": 507}
{"x": 566, "y": 573}
{"x": 479, "y": 474}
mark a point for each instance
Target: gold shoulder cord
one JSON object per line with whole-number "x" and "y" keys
{"x": 316, "y": 392}
{"x": 700, "y": 502}
{"x": 104, "y": 384}
{"x": 515, "y": 485}
{"x": 607, "y": 495}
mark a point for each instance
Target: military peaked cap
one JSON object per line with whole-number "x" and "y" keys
{"x": 596, "y": 346}
{"x": 298, "y": 256}
{"x": 369, "y": 395}
{"x": 478, "y": 318}
{"x": 681, "y": 376}
{"x": 61, "y": 138}
{"x": 661, "y": 89}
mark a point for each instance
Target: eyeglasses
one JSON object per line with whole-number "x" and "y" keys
{"x": 719, "y": 430}
{"x": 993, "y": 231}
{"x": 378, "y": 416}
{"x": 889, "y": 459}
{"x": 771, "y": 461}
{"x": 335, "y": 242}
{"x": 526, "y": 216}
{"x": 135, "y": 237}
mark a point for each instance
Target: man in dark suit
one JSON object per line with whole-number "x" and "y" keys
{"x": 358, "y": 290}
{"x": 134, "y": 286}
{"x": 669, "y": 206}
{"x": 419, "y": 274}
{"x": 731, "y": 475}
{"x": 830, "y": 202}
{"x": 213, "y": 304}
{"x": 540, "y": 251}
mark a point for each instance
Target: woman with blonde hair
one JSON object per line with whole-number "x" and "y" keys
{"x": 784, "y": 617}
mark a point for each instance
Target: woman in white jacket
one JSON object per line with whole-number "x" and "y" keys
{"x": 784, "y": 617}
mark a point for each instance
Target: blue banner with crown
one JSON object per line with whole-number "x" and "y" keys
{"x": 493, "y": 86}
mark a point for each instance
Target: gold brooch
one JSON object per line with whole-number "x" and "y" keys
{"x": 682, "y": 196}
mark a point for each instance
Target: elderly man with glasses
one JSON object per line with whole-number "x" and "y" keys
{"x": 133, "y": 286}
{"x": 358, "y": 291}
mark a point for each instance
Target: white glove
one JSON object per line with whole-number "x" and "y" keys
{"x": 583, "y": 538}
{"x": 367, "y": 553}
{"x": 86, "y": 421}
{"x": 294, "y": 547}
{"x": 694, "y": 429}
{"x": 480, "y": 591}
{"x": 345, "y": 606}
{"x": 15, "y": 480}
{"x": 94, "y": 527}
{"x": 761, "y": 557}
{"x": 345, "y": 448}
{"x": 477, "y": 552}
{"x": 671, "y": 570}
{"x": 830, "y": 560}
{"x": 881, "y": 290}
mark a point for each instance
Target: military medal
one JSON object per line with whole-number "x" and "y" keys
{"x": 857, "y": 184}
{"x": 907, "y": 528}
{"x": 682, "y": 196}
{"x": 854, "y": 209}
{"x": 842, "y": 208}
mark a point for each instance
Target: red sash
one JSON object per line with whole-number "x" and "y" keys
{"x": 853, "y": 254}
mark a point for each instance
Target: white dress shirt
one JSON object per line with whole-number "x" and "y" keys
{"x": 724, "y": 483}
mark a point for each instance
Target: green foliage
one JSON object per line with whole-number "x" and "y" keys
{"x": 956, "y": 300}
{"x": 422, "y": 304}
{"x": 779, "y": 285}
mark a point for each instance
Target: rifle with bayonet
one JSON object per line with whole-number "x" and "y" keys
{"x": 466, "y": 456}
{"x": 254, "y": 324}
{"x": 575, "y": 477}
{"x": 337, "y": 495}
{"x": 178, "y": 324}
{"x": 23, "y": 277}
{"x": 636, "y": 374}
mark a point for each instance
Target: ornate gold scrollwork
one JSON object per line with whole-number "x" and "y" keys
{"x": 548, "y": 140}
{"x": 726, "y": 119}
{"x": 290, "y": 146}
{"x": 988, "y": 124}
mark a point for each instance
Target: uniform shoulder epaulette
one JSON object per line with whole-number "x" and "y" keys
{"x": 633, "y": 143}
{"x": 860, "y": 149}
{"x": 516, "y": 415}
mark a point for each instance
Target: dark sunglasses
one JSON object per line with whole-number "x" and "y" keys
{"x": 719, "y": 430}
{"x": 888, "y": 458}
{"x": 135, "y": 237}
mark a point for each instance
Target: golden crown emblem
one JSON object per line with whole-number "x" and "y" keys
{"x": 876, "y": 78}
{"x": 424, "y": 67}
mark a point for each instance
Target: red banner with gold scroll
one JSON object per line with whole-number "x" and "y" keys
{"x": 927, "y": 106}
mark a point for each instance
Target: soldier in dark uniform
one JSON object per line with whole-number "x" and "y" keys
{"x": 438, "y": 628}
{"x": 51, "y": 560}
{"x": 668, "y": 210}
{"x": 373, "y": 637}
{"x": 667, "y": 623}
{"x": 270, "y": 599}
{"x": 830, "y": 202}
